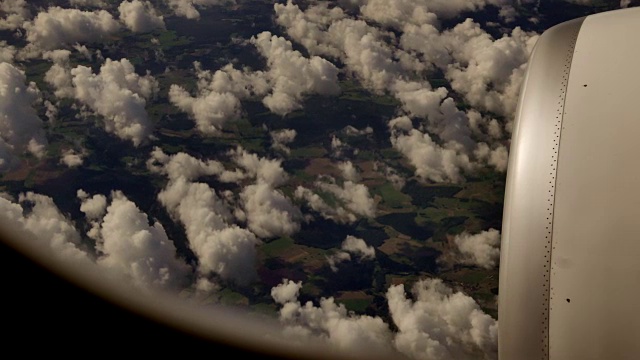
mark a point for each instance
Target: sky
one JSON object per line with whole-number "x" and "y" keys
{"x": 390, "y": 47}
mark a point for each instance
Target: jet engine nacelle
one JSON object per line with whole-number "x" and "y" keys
{"x": 570, "y": 256}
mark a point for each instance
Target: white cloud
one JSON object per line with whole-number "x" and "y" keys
{"x": 432, "y": 162}
{"x": 282, "y": 87}
{"x": 488, "y": 72}
{"x": 392, "y": 175}
{"x": 281, "y": 138}
{"x": 291, "y": 75}
{"x": 482, "y": 249}
{"x": 440, "y": 323}
{"x": 182, "y": 165}
{"x": 130, "y": 247}
{"x": 286, "y": 292}
{"x": 337, "y": 258}
{"x": 222, "y": 247}
{"x": 265, "y": 170}
{"x": 38, "y": 215}
{"x": 59, "y": 74}
{"x": 269, "y": 213}
{"x": 15, "y": 14}
{"x": 140, "y": 16}
{"x": 58, "y": 27}
{"x": 188, "y": 8}
{"x": 210, "y": 111}
{"x": 7, "y": 52}
{"x": 71, "y": 158}
{"x": 351, "y": 200}
{"x": 359, "y": 45}
{"x": 338, "y": 147}
{"x": 315, "y": 202}
{"x": 119, "y": 95}
{"x": 352, "y": 131}
{"x": 358, "y": 247}
{"x": 442, "y": 116}
{"x": 309, "y": 28}
{"x": 218, "y": 97}
{"x": 396, "y": 13}
{"x": 330, "y": 323}
{"x": 349, "y": 172}
{"x": 93, "y": 207}
{"x": 354, "y": 196}
{"x": 351, "y": 246}
{"x": 20, "y": 127}
{"x": 82, "y": 49}
{"x": 497, "y": 157}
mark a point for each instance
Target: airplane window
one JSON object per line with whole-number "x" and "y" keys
{"x": 284, "y": 178}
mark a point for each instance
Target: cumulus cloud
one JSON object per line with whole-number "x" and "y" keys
{"x": 292, "y": 75}
{"x": 398, "y": 181}
{"x": 269, "y": 213}
{"x": 59, "y": 74}
{"x": 349, "y": 171}
{"x": 310, "y": 28}
{"x": 484, "y": 71}
{"x": 222, "y": 247}
{"x": 188, "y": 8}
{"x": 354, "y": 196}
{"x": 93, "y": 207}
{"x": 282, "y": 87}
{"x": 488, "y": 72}
{"x": 129, "y": 246}
{"x": 351, "y": 246}
{"x": 58, "y": 27}
{"x": 39, "y": 216}
{"x": 268, "y": 171}
{"x": 442, "y": 116}
{"x": 437, "y": 323}
{"x": 20, "y": 127}
{"x": 351, "y": 200}
{"x": 140, "y": 16}
{"x": 356, "y": 43}
{"x": 15, "y": 13}
{"x": 497, "y": 157}
{"x": 281, "y": 138}
{"x": 117, "y": 93}
{"x": 482, "y": 249}
{"x": 71, "y": 158}
{"x": 330, "y": 322}
{"x": 432, "y": 161}
{"x": 182, "y": 165}
{"x": 7, "y": 52}
{"x": 440, "y": 323}
{"x": 352, "y": 131}
{"x": 218, "y": 97}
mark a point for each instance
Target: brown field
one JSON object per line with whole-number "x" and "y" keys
{"x": 353, "y": 295}
{"x": 312, "y": 260}
{"x": 322, "y": 166}
{"x": 18, "y": 174}
{"x": 394, "y": 245}
{"x": 294, "y": 254}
